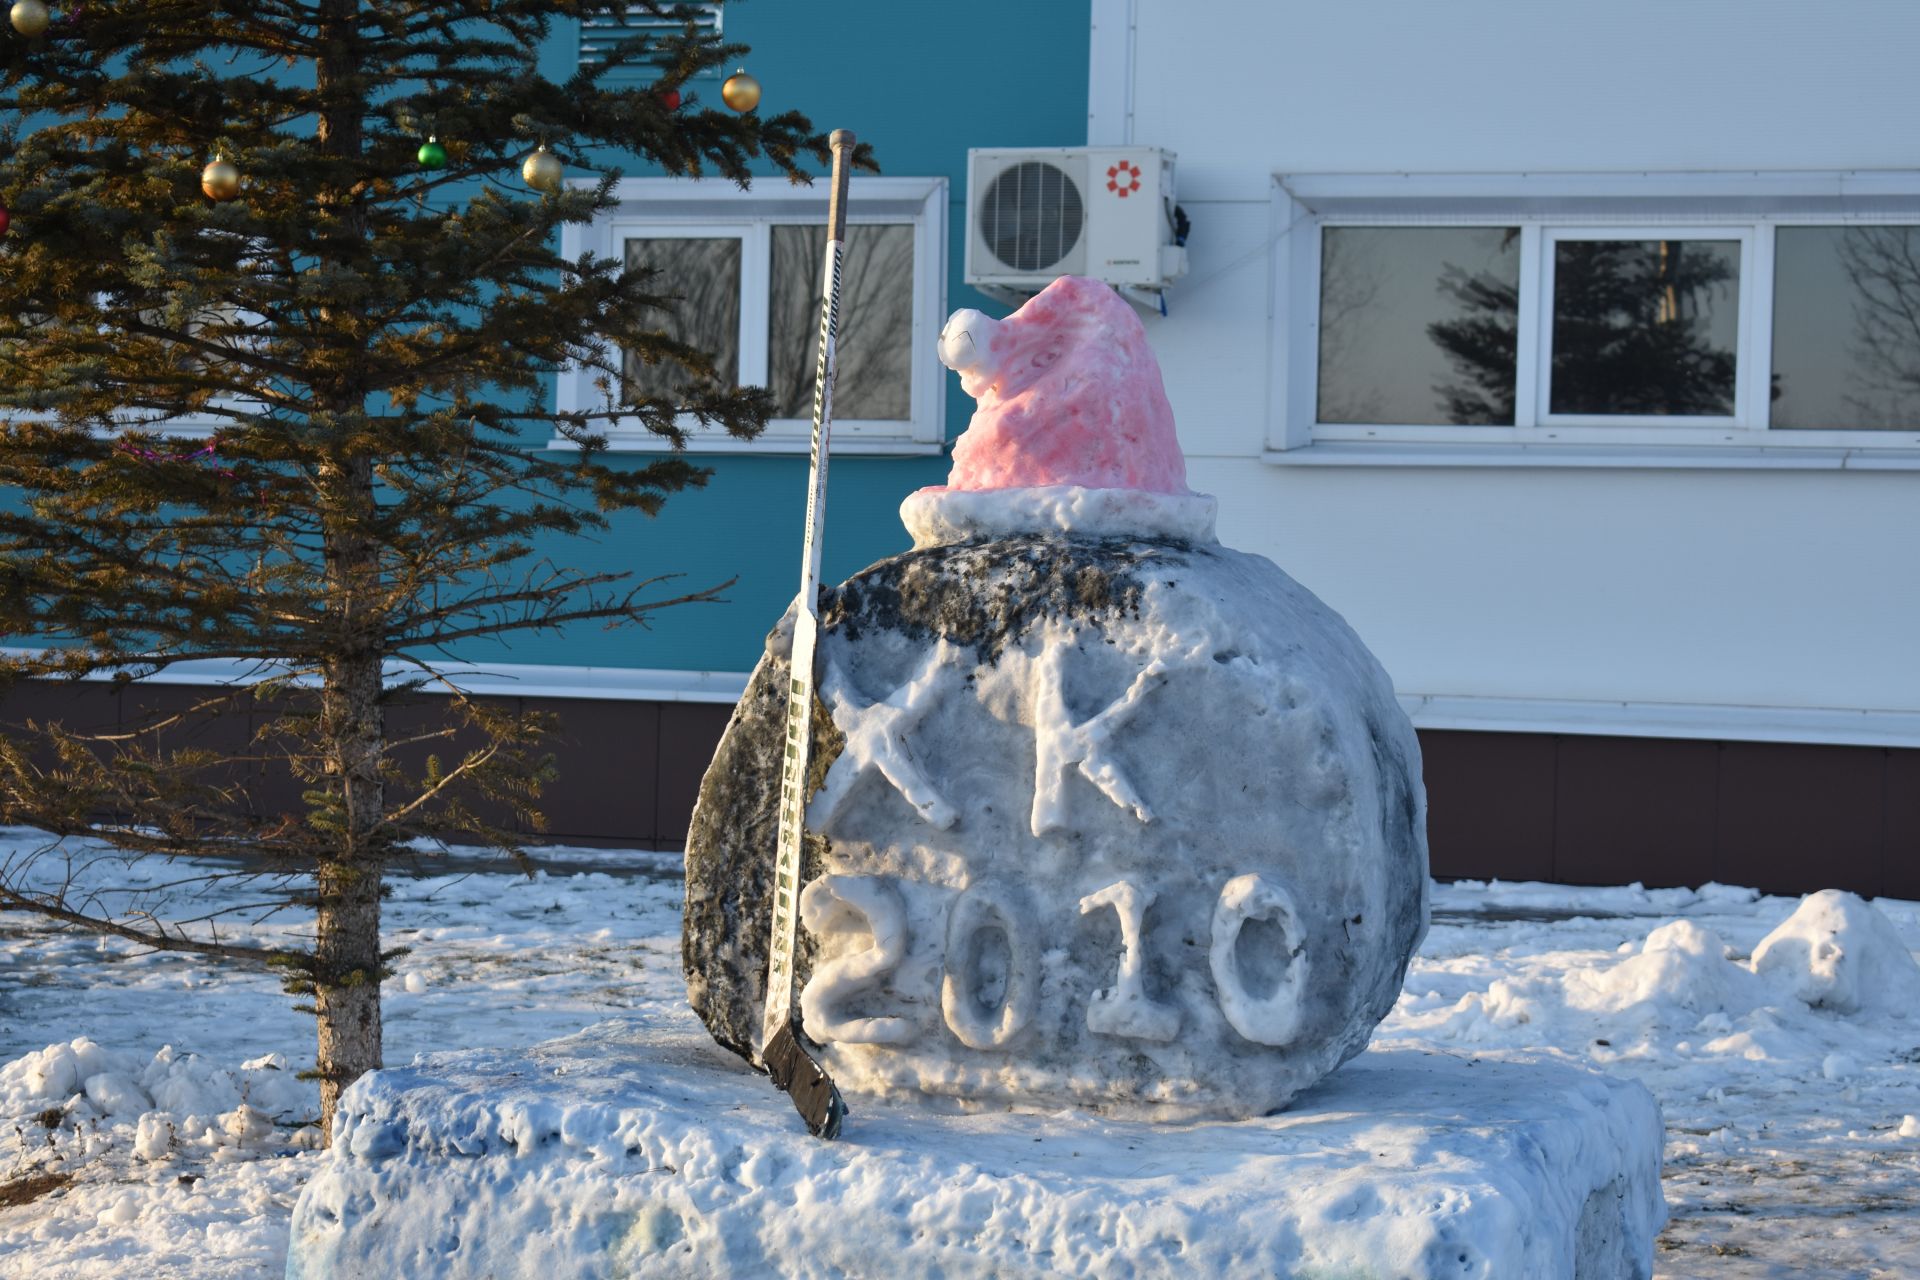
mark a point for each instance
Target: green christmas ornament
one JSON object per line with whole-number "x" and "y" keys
{"x": 432, "y": 154}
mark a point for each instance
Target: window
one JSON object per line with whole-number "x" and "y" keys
{"x": 746, "y": 267}
{"x": 1417, "y": 324}
{"x": 1640, "y": 328}
{"x": 1624, "y": 313}
{"x": 704, "y": 272}
{"x": 1863, "y": 374}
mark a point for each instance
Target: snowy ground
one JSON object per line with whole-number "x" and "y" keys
{"x": 1793, "y": 1132}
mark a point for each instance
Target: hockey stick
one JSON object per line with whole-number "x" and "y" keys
{"x": 796, "y": 1071}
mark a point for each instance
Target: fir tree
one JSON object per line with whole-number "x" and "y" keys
{"x": 373, "y": 336}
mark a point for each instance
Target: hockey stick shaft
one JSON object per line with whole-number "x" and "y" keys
{"x": 799, "y": 727}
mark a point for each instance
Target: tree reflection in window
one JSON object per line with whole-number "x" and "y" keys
{"x": 700, "y": 276}
{"x": 1645, "y": 327}
{"x": 874, "y": 350}
{"x": 1411, "y": 336}
{"x": 1846, "y": 327}
{"x": 1482, "y": 340}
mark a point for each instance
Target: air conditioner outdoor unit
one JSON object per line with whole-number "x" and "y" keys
{"x": 1037, "y": 213}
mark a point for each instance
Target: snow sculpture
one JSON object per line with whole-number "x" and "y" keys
{"x": 1106, "y": 814}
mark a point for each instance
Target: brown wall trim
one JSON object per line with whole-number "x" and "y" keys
{"x": 1781, "y": 817}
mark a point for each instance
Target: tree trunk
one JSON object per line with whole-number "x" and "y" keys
{"x": 347, "y": 980}
{"x": 347, "y": 969}
{"x": 347, "y": 966}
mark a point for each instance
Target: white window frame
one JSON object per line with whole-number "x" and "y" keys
{"x": 714, "y": 208}
{"x": 1745, "y": 207}
{"x": 1748, "y": 329}
{"x": 187, "y": 427}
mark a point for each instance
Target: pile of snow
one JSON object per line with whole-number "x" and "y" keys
{"x": 1780, "y": 1036}
{"x": 1836, "y": 952}
{"x": 165, "y": 1156}
{"x": 1681, "y": 969}
{"x": 192, "y": 1183}
{"x": 173, "y": 1102}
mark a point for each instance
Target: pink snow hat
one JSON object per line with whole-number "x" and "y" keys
{"x": 1069, "y": 394}
{"x": 1073, "y": 433}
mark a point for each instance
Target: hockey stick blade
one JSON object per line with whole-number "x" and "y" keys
{"x": 796, "y": 1074}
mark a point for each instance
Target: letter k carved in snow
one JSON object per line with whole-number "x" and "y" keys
{"x": 1058, "y": 742}
{"x": 876, "y": 739}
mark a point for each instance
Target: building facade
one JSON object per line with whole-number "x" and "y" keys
{"x": 1567, "y": 352}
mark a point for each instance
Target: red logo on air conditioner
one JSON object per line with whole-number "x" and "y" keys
{"x": 1123, "y": 179}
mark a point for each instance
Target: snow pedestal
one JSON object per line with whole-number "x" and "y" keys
{"x": 636, "y": 1151}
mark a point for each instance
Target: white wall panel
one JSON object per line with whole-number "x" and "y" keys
{"x": 1707, "y": 588}
{"x": 1244, "y": 88}
{"x": 1213, "y": 342}
{"x": 1739, "y": 588}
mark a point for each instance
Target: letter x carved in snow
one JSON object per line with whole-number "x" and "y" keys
{"x": 1058, "y": 742}
{"x": 876, "y": 739}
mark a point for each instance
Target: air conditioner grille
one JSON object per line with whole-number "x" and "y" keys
{"x": 1031, "y": 216}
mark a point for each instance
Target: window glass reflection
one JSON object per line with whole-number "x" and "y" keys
{"x": 1846, "y": 328}
{"x": 1418, "y": 325}
{"x": 873, "y": 353}
{"x": 1645, "y": 327}
{"x": 704, "y": 274}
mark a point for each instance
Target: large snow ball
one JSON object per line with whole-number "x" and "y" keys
{"x": 1129, "y": 823}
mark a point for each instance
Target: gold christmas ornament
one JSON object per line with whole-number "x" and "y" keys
{"x": 543, "y": 171}
{"x": 220, "y": 180}
{"x": 741, "y": 91}
{"x": 30, "y": 17}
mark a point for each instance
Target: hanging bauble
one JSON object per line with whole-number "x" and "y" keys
{"x": 741, "y": 91}
{"x": 432, "y": 154}
{"x": 543, "y": 171}
{"x": 669, "y": 98}
{"x": 30, "y": 17}
{"x": 6, "y": 220}
{"x": 220, "y": 180}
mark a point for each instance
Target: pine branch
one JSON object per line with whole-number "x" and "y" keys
{"x": 157, "y": 938}
{"x": 624, "y": 610}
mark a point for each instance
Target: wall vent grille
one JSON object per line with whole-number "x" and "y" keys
{"x": 600, "y": 34}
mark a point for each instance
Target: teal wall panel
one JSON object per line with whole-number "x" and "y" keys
{"x": 922, "y": 83}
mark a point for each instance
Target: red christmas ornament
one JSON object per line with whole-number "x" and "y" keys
{"x": 669, "y": 98}
{"x": 6, "y": 220}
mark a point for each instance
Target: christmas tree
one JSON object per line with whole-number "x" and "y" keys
{"x": 328, "y": 228}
